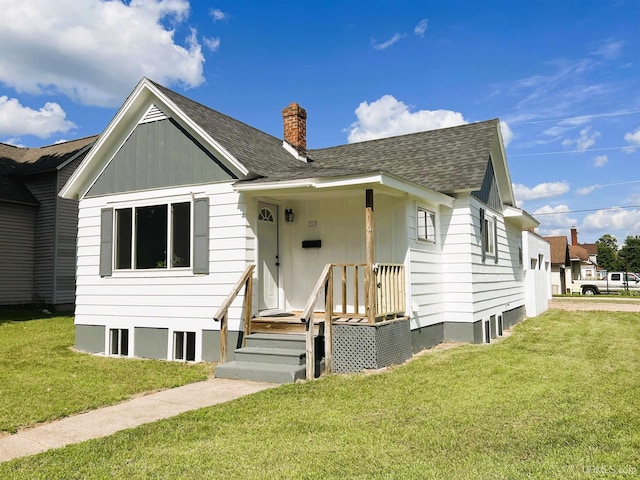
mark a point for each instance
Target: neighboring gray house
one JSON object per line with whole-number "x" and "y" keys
{"x": 38, "y": 229}
{"x": 414, "y": 240}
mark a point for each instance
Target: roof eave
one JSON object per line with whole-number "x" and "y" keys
{"x": 381, "y": 178}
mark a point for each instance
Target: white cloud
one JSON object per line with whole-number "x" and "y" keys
{"x": 218, "y": 14}
{"x": 542, "y": 190}
{"x": 16, "y": 119}
{"x": 387, "y": 117}
{"x": 587, "y": 139}
{"x": 587, "y": 190}
{"x": 613, "y": 219}
{"x": 16, "y": 142}
{"x": 634, "y": 139}
{"x": 634, "y": 199}
{"x": 421, "y": 27}
{"x": 507, "y": 134}
{"x": 609, "y": 50}
{"x": 95, "y": 51}
{"x": 600, "y": 161}
{"x": 549, "y": 216}
{"x": 387, "y": 44}
{"x": 212, "y": 44}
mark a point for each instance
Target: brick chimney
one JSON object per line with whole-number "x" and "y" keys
{"x": 574, "y": 236}
{"x": 294, "y": 118}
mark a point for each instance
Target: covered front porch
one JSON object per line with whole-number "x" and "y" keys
{"x": 337, "y": 276}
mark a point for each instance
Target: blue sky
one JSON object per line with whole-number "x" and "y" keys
{"x": 563, "y": 76}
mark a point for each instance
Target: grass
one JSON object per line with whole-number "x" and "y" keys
{"x": 560, "y": 398}
{"x": 42, "y": 378}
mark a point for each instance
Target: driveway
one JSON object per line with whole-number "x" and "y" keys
{"x": 608, "y": 303}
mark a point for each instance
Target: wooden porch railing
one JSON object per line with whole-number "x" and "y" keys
{"x": 221, "y": 315}
{"x": 388, "y": 294}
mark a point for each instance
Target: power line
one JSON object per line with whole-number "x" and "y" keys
{"x": 572, "y": 151}
{"x": 586, "y": 210}
{"x": 577, "y": 117}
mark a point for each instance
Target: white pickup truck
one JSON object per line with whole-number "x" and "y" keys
{"x": 614, "y": 282}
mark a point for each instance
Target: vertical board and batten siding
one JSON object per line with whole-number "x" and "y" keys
{"x": 17, "y": 249}
{"x": 43, "y": 187}
{"x": 156, "y": 155}
{"x": 175, "y": 300}
{"x": 425, "y": 267}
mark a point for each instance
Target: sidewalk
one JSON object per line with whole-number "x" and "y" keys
{"x": 108, "y": 420}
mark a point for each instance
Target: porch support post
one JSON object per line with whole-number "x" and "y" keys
{"x": 369, "y": 276}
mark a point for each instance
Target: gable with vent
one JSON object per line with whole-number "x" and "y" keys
{"x": 159, "y": 153}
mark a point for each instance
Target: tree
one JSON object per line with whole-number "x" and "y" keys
{"x": 629, "y": 255}
{"x": 608, "y": 252}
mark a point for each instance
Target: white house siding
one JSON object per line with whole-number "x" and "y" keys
{"x": 457, "y": 234}
{"x": 339, "y": 222}
{"x": 172, "y": 300}
{"x": 537, "y": 266}
{"x": 17, "y": 226}
{"x": 497, "y": 287}
{"x": 425, "y": 266}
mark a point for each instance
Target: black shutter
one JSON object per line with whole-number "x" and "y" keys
{"x": 201, "y": 235}
{"x": 106, "y": 242}
{"x": 483, "y": 247}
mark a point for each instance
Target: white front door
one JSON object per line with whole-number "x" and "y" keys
{"x": 268, "y": 256}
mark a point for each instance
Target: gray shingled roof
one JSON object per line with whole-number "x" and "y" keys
{"x": 17, "y": 162}
{"x": 261, "y": 153}
{"x": 446, "y": 160}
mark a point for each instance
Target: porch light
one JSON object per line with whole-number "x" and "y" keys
{"x": 289, "y": 216}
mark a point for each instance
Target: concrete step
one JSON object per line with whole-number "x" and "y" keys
{"x": 283, "y": 356}
{"x": 264, "y": 372}
{"x": 277, "y": 340}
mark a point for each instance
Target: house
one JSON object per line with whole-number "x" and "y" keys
{"x": 405, "y": 241}
{"x": 38, "y": 228}
{"x": 584, "y": 258}
{"x": 537, "y": 272}
{"x": 560, "y": 261}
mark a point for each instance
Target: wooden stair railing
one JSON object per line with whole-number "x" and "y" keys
{"x": 325, "y": 281}
{"x": 222, "y": 314}
{"x": 386, "y": 288}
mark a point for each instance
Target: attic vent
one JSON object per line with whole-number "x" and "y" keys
{"x": 153, "y": 115}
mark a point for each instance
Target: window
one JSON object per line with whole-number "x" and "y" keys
{"x": 426, "y": 225}
{"x": 119, "y": 341}
{"x": 489, "y": 236}
{"x": 144, "y": 235}
{"x": 184, "y": 346}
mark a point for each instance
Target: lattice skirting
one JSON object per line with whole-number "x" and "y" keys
{"x": 360, "y": 347}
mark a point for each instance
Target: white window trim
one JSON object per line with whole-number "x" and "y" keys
{"x": 429, "y": 212}
{"x": 143, "y": 272}
{"x": 491, "y": 243}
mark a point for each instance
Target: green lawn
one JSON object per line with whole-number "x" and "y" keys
{"x": 560, "y": 398}
{"x": 42, "y": 378}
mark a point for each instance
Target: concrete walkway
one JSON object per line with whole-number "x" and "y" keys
{"x": 108, "y": 420}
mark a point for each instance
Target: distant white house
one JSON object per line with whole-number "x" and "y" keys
{"x": 176, "y": 200}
